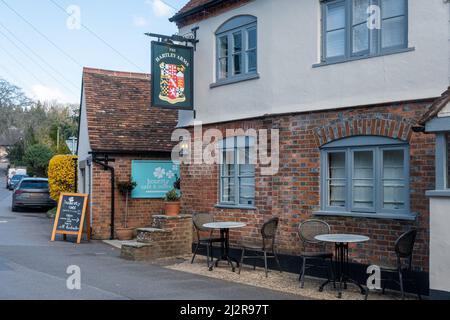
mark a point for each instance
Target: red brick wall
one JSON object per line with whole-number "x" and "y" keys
{"x": 294, "y": 193}
{"x": 140, "y": 211}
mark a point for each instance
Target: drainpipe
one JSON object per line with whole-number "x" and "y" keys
{"x": 75, "y": 184}
{"x": 113, "y": 188}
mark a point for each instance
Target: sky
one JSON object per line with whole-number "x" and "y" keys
{"x": 44, "y": 44}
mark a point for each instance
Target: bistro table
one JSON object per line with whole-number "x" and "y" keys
{"x": 224, "y": 228}
{"x": 341, "y": 242}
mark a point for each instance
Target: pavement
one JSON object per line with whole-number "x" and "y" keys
{"x": 32, "y": 267}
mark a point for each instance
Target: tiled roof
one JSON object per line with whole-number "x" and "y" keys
{"x": 119, "y": 115}
{"x": 436, "y": 107}
{"x": 196, "y": 10}
{"x": 10, "y": 136}
{"x": 192, "y": 4}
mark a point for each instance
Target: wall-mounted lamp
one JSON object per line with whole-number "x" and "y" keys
{"x": 184, "y": 147}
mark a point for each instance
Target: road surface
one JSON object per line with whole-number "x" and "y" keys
{"x": 32, "y": 267}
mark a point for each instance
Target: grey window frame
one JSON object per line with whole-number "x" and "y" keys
{"x": 242, "y": 24}
{"x": 362, "y": 143}
{"x": 375, "y": 35}
{"x": 224, "y": 144}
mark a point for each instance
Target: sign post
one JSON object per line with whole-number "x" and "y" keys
{"x": 172, "y": 76}
{"x": 71, "y": 215}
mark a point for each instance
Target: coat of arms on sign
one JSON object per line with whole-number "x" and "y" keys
{"x": 172, "y": 83}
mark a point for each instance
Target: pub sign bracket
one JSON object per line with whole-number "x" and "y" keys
{"x": 190, "y": 38}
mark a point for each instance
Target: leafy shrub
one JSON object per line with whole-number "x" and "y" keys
{"x": 125, "y": 187}
{"x": 172, "y": 196}
{"x": 37, "y": 159}
{"x": 177, "y": 183}
{"x": 52, "y": 213}
{"x": 61, "y": 175}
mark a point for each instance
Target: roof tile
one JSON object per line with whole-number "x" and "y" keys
{"x": 436, "y": 107}
{"x": 119, "y": 115}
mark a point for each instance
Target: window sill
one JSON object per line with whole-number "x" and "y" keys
{"x": 344, "y": 60}
{"x": 238, "y": 79}
{"x": 438, "y": 193}
{"x": 393, "y": 216}
{"x": 229, "y": 206}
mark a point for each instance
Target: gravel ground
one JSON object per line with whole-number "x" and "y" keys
{"x": 284, "y": 282}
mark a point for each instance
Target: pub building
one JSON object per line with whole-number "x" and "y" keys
{"x": 347, "y": 101}
{"x": 121, "y": 138}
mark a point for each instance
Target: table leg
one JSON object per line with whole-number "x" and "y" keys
{"x": 223, "y": 239}
{"x": 345, "y": 275}
{"x": 225, "y": 250}
{"x": 342, "y": 270}
{"x": 339, "y": 247}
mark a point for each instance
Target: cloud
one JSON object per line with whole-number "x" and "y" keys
{"x": 160, "y": 9}
{"x": 44, "y": 93}
{"x": 139, "y": 21}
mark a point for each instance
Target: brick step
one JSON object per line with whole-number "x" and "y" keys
{"x": 134, "y": 250}
{"x": 167, "y": 237}
{"x": 148, "y": 235}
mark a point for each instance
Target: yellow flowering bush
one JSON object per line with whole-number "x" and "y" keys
{"x": 61, "y": 175}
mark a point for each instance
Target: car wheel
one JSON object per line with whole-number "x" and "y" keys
{"x": 14, "y": 209}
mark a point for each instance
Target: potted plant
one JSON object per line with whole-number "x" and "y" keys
{"x": 125, "y": 188}
{"x": 172, "y": 204}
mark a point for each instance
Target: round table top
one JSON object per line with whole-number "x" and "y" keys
{"x": 342, "y": 238}
{"x": 224, "y": 225}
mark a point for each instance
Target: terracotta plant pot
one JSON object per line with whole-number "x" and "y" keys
{"x": 124, "y": 233}
{"x": 172, "y": 208}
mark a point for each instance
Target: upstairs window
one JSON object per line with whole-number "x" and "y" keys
{"x": 359, "y": 28}
{"x": 373, "y": 178}
{"x": 236, "y": 48}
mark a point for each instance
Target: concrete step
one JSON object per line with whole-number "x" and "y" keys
{"x": 148, "y": 235}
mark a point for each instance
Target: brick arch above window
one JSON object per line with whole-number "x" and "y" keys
{"x": 384, "y": 125}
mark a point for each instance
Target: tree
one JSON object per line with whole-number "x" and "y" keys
{"x": 36, "y": 159}
{"x": 37, "y": 123}
{"x": 13, "y": 102}
{"x": 16, "y": 153}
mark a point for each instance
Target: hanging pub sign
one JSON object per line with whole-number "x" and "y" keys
{"x": 172, "y": 76}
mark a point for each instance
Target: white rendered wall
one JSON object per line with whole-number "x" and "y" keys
{"x": 83, "y": 143}
{"x": 440, "y": 244}
{"x": 289, "y": 46}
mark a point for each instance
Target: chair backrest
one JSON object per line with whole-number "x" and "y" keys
{"x": 404, "y": 245}
{"x": 269, "y": 228}
{"x": 199, "y": 219}
{"x": 308, "y": 229}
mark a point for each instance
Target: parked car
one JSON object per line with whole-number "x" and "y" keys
{"x": 32, "y": 193}
{"x": 15, "y": 180}
{"x": 12, "y": 172}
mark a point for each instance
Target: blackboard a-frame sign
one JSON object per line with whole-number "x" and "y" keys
{"x": 71, "y": 215}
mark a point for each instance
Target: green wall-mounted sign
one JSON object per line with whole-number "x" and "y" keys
{"x": 154, "y": 178}
{"x": 172, "y": 76}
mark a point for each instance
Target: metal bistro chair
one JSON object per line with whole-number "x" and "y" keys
{"x": 404, "y": 246}
{"x": 268, "y": 232}
{"x": 307, "y": 230}
{"x": 199, "y": 219}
